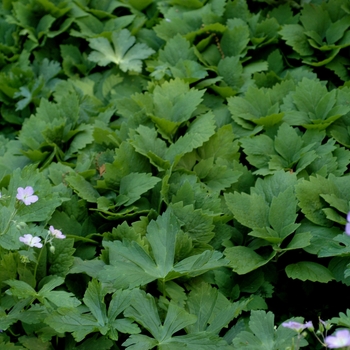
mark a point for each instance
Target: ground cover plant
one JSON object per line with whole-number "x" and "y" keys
{"x": 174, "y": 174}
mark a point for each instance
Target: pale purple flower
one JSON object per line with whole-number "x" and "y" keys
{"x": 340, "y": 339}
{"x": 297, "y": 325}
{"x": 26, "y": 195}
{"x": 28, "y": 239}
{"x": 347, "y": 226}
{"x": 56, "y": 233}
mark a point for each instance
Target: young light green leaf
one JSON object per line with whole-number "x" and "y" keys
{"x": 125, "y": 52}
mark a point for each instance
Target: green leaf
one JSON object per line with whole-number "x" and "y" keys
{"x": 282, "y": 221}
{"x": 125, "y": 53}
{"x": 294, "y": 35}
{"x": 174, "y": 103}
{"x": 132, "y": 265}
{"x": 250, "y": 210}
{"x": 338, "y": 246}
{"x": 264, "y": 335}
{"x": 343, "y": 319}
{"x": 72, "y": 320}
{"x": 319, "y": 107}
{"x": 21, "y": 289}
{"x": 176, "y": 49}
{"x": 299, "y": 240}
{"x": 82, "y": 187}
{"x": 133, "y": 185}
{"x": 63, "y": 259}
{"x": 243, "y": 259}
{"x": 199, "y": 132}
{"x": 235, "y": 39}
{"x": 308, "y": 270}
{"x": 143, "y": 310}
{"x": 80, "y": 323}
{"x": 197, "y": 224}
{"x": 94, "y": 300}
{"x": 58, "y": 298}
{"x": 308, "y": 194}
{"x": 212, "y": 309}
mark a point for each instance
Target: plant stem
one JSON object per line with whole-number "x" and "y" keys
{"x": 8, "y": 223}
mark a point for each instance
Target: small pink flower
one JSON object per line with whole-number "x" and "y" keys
{"x": 26, "y": 195}
{"x": 56, "y": 233}
{"x": 28, "y": 239}
{"x": 347, "y": 226}
{"x": 297, "y": 325}
{"x": 340, "y": 339}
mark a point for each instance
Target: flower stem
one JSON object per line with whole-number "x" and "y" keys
{"x": 37, "y": 263}
{"x": 8, "y": 223}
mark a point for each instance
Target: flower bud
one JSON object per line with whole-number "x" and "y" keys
{"x": 52, "y": 249}
{"x": 21, "y": 225}
{"x": 24, "y": 259}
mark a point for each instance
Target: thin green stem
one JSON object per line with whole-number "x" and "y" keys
{"x": 37, "y": 263}
{"x": 9, "y": 222}
{"x": 39, "y": 257}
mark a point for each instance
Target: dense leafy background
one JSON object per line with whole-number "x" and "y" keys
{"x": 194, "y": 152}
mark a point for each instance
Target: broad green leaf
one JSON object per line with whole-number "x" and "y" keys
{"x": 294, "y": 35}
{"x": 21, "y": 289}
{"x": 94, "y": 300}
{"x": 283, "y": 221}
{"x": 82, "y": 187}
{"x": 308, "y": 270}
{"x": 63, "y": 259}
{"x": 174, "y": 102}
{"x": 212, "y": 309}
{"x": 308, "y": 194}
{"x": 235, "y": 39}
{"x": 136, "y": 266}
{"x": 243, "y": 259}
{"x": 273, "y": 185}
{"x": 133, "y": 185}
{"x": 67, "y": 319}
{"x": 299, "y": 240}
{"x": 59, "y": 298}
{"x": 176, "y": 49}
{"x": 338, "y": 268}
{"x": 250, "y": 210}
{"x": 143, "y": 310}
{"x": 338, "y": 246}
{"x": 199, "y": 132}
{"x": 72, "y": 320}
{"x": 195, "y": 222}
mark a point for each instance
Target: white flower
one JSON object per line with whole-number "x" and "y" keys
{"x": 340, "y": 339}
{"x": 56, "y": 233}
{"x": 26, "y": 195}
{"x": 28, "y": 239}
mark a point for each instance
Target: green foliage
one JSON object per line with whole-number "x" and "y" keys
{"x": 263, "y": 335}
{"x": 195, "y": 161}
